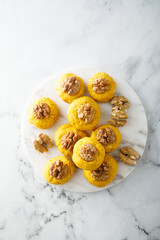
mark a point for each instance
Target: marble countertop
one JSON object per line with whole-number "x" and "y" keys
{"x": 40, "y": 38}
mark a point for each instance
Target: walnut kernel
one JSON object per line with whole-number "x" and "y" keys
{"x": 118, "y": 114}
{"x": 41, "y": 142}
{"x": 128, "y": 155}
{"x": 121, "y": 102}
{"x": 86, "y": 112}
{"x": 69, "y": 139}
{"x": 58, "y": 169}
{"x": 101, "y": 173}
{"x": 41, "y": 111}
{"x": 71, "y": 85}
{"x": 87, "y": 152}
{"x": 117, "y": 123}
{"x": 101, "y": 85}
{"x": 106, "y": 136}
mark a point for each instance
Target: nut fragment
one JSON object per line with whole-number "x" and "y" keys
{"x": 59, "y": 170}
{"x": 118, "y": 114}
{"x": 40, "y": 142}
{"x": 106, "y": 136}
{"x": 101, "y": 173}
{"x": 101, "y": 85}
{"x": 87, "y": 152}
{"x": 41, "y": 111}
{"x": 69, "y": 139}
{"x": 71, "y": 85}
{"x": 117, "y": 123}
{"x": 121, "y": 102}
{"x": 128, "y": 155}
{"x": 86, "y": 112}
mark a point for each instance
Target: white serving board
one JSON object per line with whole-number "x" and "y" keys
{"x": 134, "y": 133}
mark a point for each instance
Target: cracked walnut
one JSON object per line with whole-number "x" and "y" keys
{"x": 42, "y": 142}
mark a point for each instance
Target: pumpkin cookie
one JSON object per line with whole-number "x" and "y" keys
{"x": 70, "y": 87}
{"x": 88, "y": 153}
{"x": 84, "y": 113}
{"x": 108, "y": 135}
{"x": 101, "y": 87}
{"x": 65, "y": 138}
{"x": 43, "y": 113}
{"x": 59, "y": 170}
{"x": 103, "y": 175}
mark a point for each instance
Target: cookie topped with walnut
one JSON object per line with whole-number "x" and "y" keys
{"x": 84, "y": 113}
{"x": 108, "y": 135}
{"x": 104, "y": 174}
{"x": 101, "y": 87}
{"x": 59, "y": 170}
{"x": 43, "y": 113}
{"x": 70, "y": 87}
{"x": 88, "y": 153}
{"x": 65, "y": 138}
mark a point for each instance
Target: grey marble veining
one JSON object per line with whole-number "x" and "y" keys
{"x": 39, "y": 39}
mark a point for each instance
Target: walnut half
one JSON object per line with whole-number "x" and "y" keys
{"x": 86, "y": 112}
{"x": 87, "y": 152}
{"x": 101, "y": 173}
{"x": 41, "y": 111}
{"x": 121, "y": 102}
{"x": 101, "y": 85}
{"x": 68, "y": 140}
{"x": 71, "y": 85}
{"x": 117, "y": 123}
{"x": 106, "y": 136}
{"x": 128, "y": 155}
{"x": 41, "y": 142}
{"x": 59, "y": 170}
{"x": 118, "y": 114}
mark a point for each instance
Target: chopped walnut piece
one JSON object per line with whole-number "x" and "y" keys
{"x": 101, "y": 85}
{"x": 118, "y": 114}
{"x": 69, "y": 139}
{"x": 86, "y": 112}
{"x": 106, "y": 136}
{"x": 41, "y": 111}
{"x": 87, "y": 152}
{"x": 117, "y": 123}
{"x": 101, "y": 173}
{"x": 128, "y": 155}
{"x": 121, "y": 102}
{"x": 40, "y": 142}
{"x": 71, "y": 85}
{"x": 59, "y": 170}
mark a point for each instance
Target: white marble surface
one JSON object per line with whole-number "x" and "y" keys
{"x": 133, "y": 135}
{"x": 40, "y": 38}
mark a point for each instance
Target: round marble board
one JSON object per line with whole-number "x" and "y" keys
{"x": 134, "y": 133}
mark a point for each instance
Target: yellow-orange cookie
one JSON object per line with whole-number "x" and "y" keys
{"x": 70, "y": 87}
{"x": 53, "y": 169}
{"x": 101, "y": 87}
{"x": 65, "y": 138}
{"x": 43, "y": 113}
{"x": 103, "y": 139}
{"x": 92, "y": 159}
{"x": 97, "y": 181}
{"x": 84, "y": 113}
